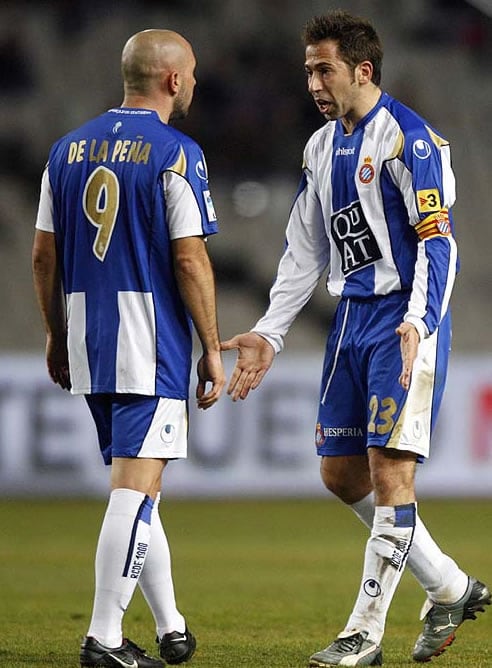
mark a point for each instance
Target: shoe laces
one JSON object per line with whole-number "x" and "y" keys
{"x": 129, "y": 643}
{"x": 349, "y": 644}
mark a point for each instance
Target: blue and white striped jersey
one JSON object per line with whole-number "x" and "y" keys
{"x": 374, "y": 207}
{"x": 115, "y": 192}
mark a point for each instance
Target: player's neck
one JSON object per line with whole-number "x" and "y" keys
{"x": 364, "y": 105}
{"x": 143, "y": 102}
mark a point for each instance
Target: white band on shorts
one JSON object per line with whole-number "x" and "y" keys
{"x": 167, "y": 436}
{"x": 415, "y": 420}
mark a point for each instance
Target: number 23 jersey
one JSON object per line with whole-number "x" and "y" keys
{"x": 374, "y": 206}
{"x": 116, "y": 192}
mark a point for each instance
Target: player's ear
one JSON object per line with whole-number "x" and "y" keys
{"x": 173, "y": 82}
{"x": 364, "y": 71}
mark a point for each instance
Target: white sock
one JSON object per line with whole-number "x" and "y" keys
{"x": 120, "y": 555}
{"x": 386, "y": 552}
{"x": 440, "y": 576}
{"x": 156, "y": 580}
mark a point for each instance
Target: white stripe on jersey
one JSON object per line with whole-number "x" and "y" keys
{"x": 184, "y": 218}
{"x": 402, "y": 178}
{"x": 451, "y": 275}
{"x": 136, "y": 347}
{"x": 77, "y": 351}
{"x": 386, "y": 275}
{"x": 418, "y": 301}
{"x": 417, "y": 305}
{"x": 448, "y": 179}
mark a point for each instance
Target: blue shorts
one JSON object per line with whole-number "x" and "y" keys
{"x": 131, "y": 425}
{"x": 362, "y": 404}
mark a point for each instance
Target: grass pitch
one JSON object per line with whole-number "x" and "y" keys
{"x": 261, "y": 582}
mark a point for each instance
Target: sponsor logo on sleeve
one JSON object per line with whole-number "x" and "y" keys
{"x": 428, "y": 200}
{"x": 421, "y": 149}
{"x": 201, "y": 170}
{"x": 209, "y": 205}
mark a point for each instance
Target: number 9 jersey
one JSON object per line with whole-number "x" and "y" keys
{"x": 116, "y": 192}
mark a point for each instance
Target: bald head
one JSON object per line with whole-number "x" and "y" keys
{"x": 150, "y": 53}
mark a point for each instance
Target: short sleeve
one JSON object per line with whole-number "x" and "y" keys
{"x": 44, "y": 219}
{"x": 190, "y": 209}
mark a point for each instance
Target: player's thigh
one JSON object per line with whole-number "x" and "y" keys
{"x": 142, "y": 475}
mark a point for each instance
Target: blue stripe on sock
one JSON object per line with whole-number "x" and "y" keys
{"x": 144, "y": 515}
{"x": 145, "y": 510}
{"x": 405, "y": 515}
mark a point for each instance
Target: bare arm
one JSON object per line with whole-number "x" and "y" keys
{"x": 49, "y": 293}
{"x": 196, "y": 283}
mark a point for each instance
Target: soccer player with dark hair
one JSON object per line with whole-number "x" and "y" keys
{"x": 374, "y": 208}
{"x": 121, "y": 273}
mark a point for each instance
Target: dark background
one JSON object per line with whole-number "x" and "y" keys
{"x": 59, "y": 65}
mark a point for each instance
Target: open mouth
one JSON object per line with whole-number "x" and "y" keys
{"x": 323, "y": 105}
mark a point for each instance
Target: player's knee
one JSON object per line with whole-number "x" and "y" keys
{"x": 338, "y": 486}
{"x": 346, "y": 477}
{"x": 393, "y": 477}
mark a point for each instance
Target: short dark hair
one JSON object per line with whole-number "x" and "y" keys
{"x": 356, "y": 38}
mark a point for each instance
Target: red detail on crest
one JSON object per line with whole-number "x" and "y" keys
{"x": 366, "y": 173}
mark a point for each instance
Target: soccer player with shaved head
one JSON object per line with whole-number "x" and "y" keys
{"x": 122, "y": 274}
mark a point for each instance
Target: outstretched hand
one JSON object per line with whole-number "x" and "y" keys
{"x": 255, "y": 356}
{"x": 409, "y": 343}
{"x": 209, "y": 370}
